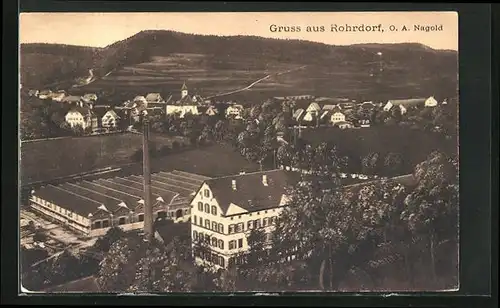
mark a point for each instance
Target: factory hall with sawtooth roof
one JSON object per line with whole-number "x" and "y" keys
{"x": 92, "y": 207}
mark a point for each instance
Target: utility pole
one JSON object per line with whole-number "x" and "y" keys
{"x": 148, "y": 209}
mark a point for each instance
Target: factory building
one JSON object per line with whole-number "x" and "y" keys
{"x": 92, "y": 207}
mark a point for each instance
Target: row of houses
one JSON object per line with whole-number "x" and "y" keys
{"x": 322, "y": 112}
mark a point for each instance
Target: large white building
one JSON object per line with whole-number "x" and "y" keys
{"x": 187, "y": 104}
{"x": 225, "y": 210}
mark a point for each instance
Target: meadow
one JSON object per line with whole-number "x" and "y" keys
{"x": 49, "y": 159}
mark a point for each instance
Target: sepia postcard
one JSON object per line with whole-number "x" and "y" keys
{"x": 238, "y": 152}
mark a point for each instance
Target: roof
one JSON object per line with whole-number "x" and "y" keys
{"x": 407, "y": 102}
{"x": 251, "y": 194}
{"x": 82, "y": 110}
{"x": 329, "y": 107}
{"x": 298, "y": 113}
{"x": 139, "y": 98}
{"x": 87, "y": 285}
{"x": 72, "y": 99}
{"x": 112, "y": 113}
{"x": 343, "y": 123}
{"x": 85, "y": 197}
{"x": 314, "y": 105}
{"x": 186, "y": 101}
{"x": 153, "y": 97}
{"x": 184, "y": 87}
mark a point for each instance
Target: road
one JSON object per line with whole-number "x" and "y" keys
{"x": 256, "y": 82}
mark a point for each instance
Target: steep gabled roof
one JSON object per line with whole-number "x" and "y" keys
{"x": 72, "y": 99}
{"x": 112, "y": 113}
{"x": 251, "y": 194}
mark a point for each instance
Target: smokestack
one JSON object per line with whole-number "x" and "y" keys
{"x": 148, "y": 208}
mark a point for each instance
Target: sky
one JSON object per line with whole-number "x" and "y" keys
{"x": 102, "y": 29}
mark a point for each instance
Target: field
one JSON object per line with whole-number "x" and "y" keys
{"x": 413, "y": 145}
{"x": 48, "y": 159}
{"x": 209, "y": 76}
{"x": 212, "y": 161}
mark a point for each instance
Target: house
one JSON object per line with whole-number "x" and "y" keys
{"x": 58, "y": 96}
{"x": 313, "y": 108}
{"x": 90, "y": 97}
{"x": 431, "y": 102}
{"x": 234, "y": 111}
{"x": 33, "y": 92}
{"x": 153, "y": 98}
{"x": 364, "y": 122}
{"x": 298, "y": 114}
{"x": 444, "y": 102}
{"x": 211, "y": 111}
{"x": 225, "y": 210}
{"x": 337, "y": 117}
{"x": 329, "y": 107}
{"x": 187, "y": 104}
{"x": 72, "y": 99}
{"x": 368, "y": 105}
{"x": 110, "y": 119}
{"x": 44, "y": 94}
{"x": 81, "y": 115}
{"x": 403, "y": 104}
{"x": 344, "y": 125}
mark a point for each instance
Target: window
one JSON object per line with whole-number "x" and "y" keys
{"x": 97, "y": 225}
{"x": 207, "y": 208}
{"x": 250, "y": 225}
{"x": 240, "y": 243}
{"x": 239, "y": 217}
{"x": 239, "y": 227}
{"x": 232, "y": 244}
{"x": 195, "y": 220}
{"x": 222, "y": 261}
{"x": 70, "y": 214}
{"x": 200, "y": 206}
{"x": 214, "y": 226}
{"x": 195, "y": 235}
{"x": 257, "y": 223}
{"x": 207, "y": 223}
{"x": 214, "y": 210}
{"x": 221, "y": 228}
{"x": 105, "y": 223}
{"x": 121, "y": 221}
{"x": 161, "y": 214}
{"x": 207, "y": 193}
{"x": 141, "y": 217}
{"x": 274, "y": 220}
{"x": 265, "y": 212}
{"x": 207, "y": 238}
{"x": 214, "y": 242}
{"x": 258, "y": 213}
{"x": 220, "y": 244}
{"x": 231, "y": 229}
{"x": 265, "y": 222}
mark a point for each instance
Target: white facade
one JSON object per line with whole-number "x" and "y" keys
{"x": 309, "y": 116}
{"x": 388, "y": 106}
{"x": 75, "y": 118}
{"x": 58, "y": 97}
{"x": 183, "y": 110}
{"x": 234, "y": 111}
{"x": 226, "y": 234}
{"x": 431, "y": 102}
{"x": 337, "y": 117}
{"x": 110, "y": 119}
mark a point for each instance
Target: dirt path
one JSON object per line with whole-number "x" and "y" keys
{"x": 256, "y": 82}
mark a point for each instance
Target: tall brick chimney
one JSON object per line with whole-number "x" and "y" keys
{"x": 148, "y": 207}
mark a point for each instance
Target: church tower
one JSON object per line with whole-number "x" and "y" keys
{"x": 184, "y": 91}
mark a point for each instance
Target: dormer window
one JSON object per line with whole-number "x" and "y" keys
{"x": 207, "y": 193}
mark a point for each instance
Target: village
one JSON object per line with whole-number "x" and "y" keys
{"x": 85, "y": 114}
{"x": 217, "y": 212}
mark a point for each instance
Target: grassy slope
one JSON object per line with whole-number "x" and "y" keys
{"x": 45, "y": 160}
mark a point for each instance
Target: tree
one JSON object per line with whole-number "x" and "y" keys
{"x": 78, "y": 130}
{"x": 431, "y": 210}
{"x": 369, "y": 163}
{"x": 393, "y": 163}
{"x": 284, "y": 155}
{"x": 114, "y": 234}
